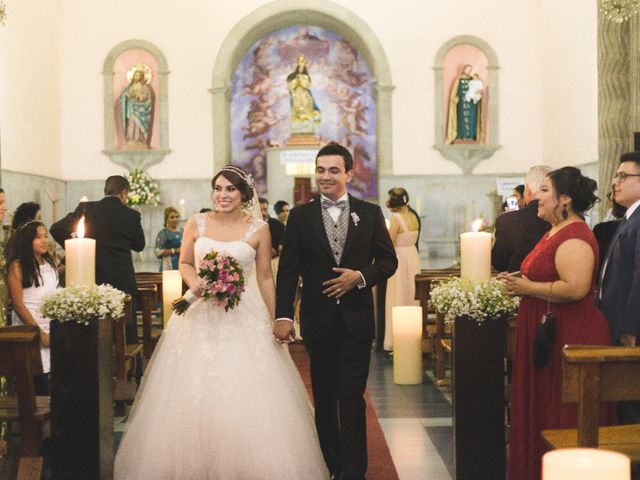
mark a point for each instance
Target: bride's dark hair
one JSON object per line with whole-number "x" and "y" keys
{"x": 239, "y": 178}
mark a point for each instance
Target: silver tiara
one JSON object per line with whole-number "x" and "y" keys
{"x": 247, "y": 177}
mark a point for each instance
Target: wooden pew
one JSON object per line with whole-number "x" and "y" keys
{"x": 146, "y": 298}
{"x": 434, "y": 329}
{"x": 592, "y": 375}
{"x": 20, "y": 359}
{"x": 125, "y": 357}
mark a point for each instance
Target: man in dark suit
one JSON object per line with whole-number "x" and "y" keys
{"x": 519, "y": 231}
{"x": 619, "y": 286}
{"x": 117, "y": 230}
{"x": 341, "y": 247}
{"x": 276, "y": 227}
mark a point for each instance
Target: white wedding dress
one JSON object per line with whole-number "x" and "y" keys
{"x": 221, "y": 399}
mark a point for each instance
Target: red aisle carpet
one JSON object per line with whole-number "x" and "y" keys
{"x": 380, "y": 463}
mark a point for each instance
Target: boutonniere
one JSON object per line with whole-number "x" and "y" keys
{"x": 355, "y": 218}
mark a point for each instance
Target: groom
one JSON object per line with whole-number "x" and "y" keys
{"x": 341, "y": 248}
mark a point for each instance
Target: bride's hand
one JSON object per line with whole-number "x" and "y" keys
{"x": 180, "y": 305}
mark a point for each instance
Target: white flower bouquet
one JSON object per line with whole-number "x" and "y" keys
{"x": 142, "y": 189}
{"x": 458, "y": 297}
{"x": 83, "y": 304}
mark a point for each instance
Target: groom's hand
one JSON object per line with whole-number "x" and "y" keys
{"x": 337, "y": 287}
{"x": 284, "y": 331}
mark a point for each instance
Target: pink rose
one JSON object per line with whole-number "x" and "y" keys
{"x": 231, "y": 289}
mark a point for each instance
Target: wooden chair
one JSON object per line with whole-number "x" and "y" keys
{"x": 592, "y": 375}
{"x": 20, "y": 359}
{"x": 125, "y": 357}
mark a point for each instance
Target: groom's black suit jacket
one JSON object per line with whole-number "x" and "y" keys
{"x": 368, "y": 248}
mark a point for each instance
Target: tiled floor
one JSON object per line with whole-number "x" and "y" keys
{"x": 416, "y": 421}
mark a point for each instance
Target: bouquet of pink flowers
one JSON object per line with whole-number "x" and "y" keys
{"x": 223, "y": 279}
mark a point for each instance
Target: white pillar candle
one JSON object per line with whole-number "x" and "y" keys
{"x": 419, "y": 206}
{"x": 585, "y": 464}
{"x": 80, "y": 258}
{"x": 182, "y": 208}
{"x": 475, "y": 255}
{"x": 171, "y": 290}
{"x": 407, "y": 345}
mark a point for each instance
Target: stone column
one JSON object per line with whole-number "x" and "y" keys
{"x": 617, "y": 117}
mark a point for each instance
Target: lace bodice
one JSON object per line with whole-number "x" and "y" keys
{"x": 240, "y": 249}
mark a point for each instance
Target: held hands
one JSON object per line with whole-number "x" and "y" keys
{"x": 337, "y": 287}
{"x": 628, "y": 340}
{"x": 284, "y": 331}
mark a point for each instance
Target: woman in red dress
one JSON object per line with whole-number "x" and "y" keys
{"x": 558, "y": 275}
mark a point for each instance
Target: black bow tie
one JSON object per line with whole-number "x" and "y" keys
{"x": 341, "y": 204}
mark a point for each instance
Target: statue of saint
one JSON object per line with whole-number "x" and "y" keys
{"x": 305, "y": 114}
{"x": 464, "y": 121}
{"x": 137, "y": 108}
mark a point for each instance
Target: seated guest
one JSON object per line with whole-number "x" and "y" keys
{"x": 31, "y": 275}
{"x": 518, "y": 232}
{"x": 276, "y": 227}
{"x": 558, "y": 276}
{"x": 168, "y": 240}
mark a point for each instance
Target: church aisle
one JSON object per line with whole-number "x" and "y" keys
{"x": 416, "y": 421}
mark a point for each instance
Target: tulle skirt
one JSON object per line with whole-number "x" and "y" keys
{"x": 221, "y": 399}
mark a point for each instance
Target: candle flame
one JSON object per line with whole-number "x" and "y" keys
{"x": 475, "y": 226}
{"x": 80, "y": 228}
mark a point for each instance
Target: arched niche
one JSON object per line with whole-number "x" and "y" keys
{"x": 467, "y": 155}
{"x": 284, "y": 13}
{"x": 159, "y": 147}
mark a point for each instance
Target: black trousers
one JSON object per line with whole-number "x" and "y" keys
{"x": 339, "y": 371}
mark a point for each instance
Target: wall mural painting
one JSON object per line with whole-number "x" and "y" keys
{"x": 135, "y": 87}
{"x": 465, "y": 89}
{"x": 304, "y": 79}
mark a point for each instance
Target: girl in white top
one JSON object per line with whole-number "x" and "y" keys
{"x": 31, "y": 275}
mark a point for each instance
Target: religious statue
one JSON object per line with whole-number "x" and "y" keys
{"x": 137, "y": 108}
{"x": 305, "y": 114}
{"x": 465, "y": 109}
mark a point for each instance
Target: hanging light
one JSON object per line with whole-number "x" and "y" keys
{"x": 619, "y": 10}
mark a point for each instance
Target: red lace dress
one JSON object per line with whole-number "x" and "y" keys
{"x": 536, "y": 402}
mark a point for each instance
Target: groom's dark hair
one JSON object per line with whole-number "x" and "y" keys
{"x": 334, "y": 148}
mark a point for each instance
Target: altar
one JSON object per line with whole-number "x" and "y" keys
{"x": 284, "y": 166}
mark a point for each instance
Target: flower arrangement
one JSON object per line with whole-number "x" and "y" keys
{"x": 458, "y": 297}
{"x": 223, "y": 279}
{"x": 83, "y": 303}
{"x": 142, "y": 189}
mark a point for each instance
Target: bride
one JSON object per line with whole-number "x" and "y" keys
{"x": 221, "y": 398}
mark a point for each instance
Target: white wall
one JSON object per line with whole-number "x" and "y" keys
{"x": 547, "y": 61}
{"x": 570, "y": 82}
{"x": 30, "y": 88}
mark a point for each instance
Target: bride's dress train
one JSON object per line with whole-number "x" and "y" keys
{"x": 221, "y": 399}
